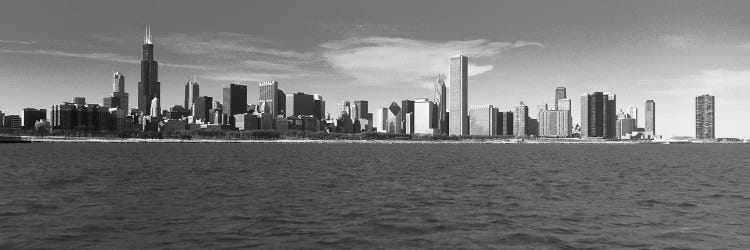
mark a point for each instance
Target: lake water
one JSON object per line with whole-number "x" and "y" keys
{"x": 133, "y": 196}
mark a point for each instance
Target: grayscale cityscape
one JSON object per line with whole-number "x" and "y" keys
{"x": 374, "y": 124}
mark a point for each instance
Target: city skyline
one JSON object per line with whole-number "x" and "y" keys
{"x": 697, "y": 48}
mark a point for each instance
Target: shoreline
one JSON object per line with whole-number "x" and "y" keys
{"x": 310, "y": 141}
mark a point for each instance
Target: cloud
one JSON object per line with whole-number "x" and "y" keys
{"x": 112, "y": 57}
{"x": 17, "y": 42}
{"x": 728, "y": 83}
{"x": 677, "y": 42}
{"x": 226, "y": 44}
{"x": 387, "y": 60}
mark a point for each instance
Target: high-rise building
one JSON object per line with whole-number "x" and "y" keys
{"x": 269, "y": 95}
{"x": 626, "y": 124}
{"x": 483, "y": 120}
{"x": 650, "y": 118}
{"x": 201, "y": 108}
{"x": 149, "y": 86}
{"x": 32, "y": 115}
{"x": 235, "y": 101}
{"x": 155, "y": 108}
{"x": 563, "y": 104}
{"x": 505, "y": 123}
{"x": 299, "y": 104}
{"x": 441, "y": 101}
{"x": 361, "y": 109}
{"x": 119, "y": 98}
{"x": 521, "y": 120}
{"x": 560, "y": 93}
{"x": 633, "y": 113}
{"x": 459, "y": 88}
{"x": 12, "y": 121}
{"x": 705, "y": 125}
{"x": 598, "y": 115}
{"x": 381, "y": 120}
{"x": 281, "y": 105}
{"x": 192, "y": 90}
{"x": 424, "y": 117}
{"x": 407, "y": 108}
{"x": 394, "y": 119}
{"x": 319, "y": 106}
{"x": 2, "y": 119}
{"x": 79, "y": 100}
{"x": 555, "y": 123}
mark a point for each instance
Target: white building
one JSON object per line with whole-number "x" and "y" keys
{"x": 424, "y": 117}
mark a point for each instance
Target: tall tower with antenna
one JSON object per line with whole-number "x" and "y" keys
{"x": 149, "y": 86}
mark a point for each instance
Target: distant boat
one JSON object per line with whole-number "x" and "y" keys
{"x": 12, "y": 139}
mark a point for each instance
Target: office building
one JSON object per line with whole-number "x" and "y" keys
{"x": 192, "y": 90}
{"x": 299, "y": 104}
{"x": 505, "y": 123}
{"x": 319, "y": 106}
{"x": 12, "y": 121}
{"x": 201, "y": 109}
{"x": 650, "y": 118}
{"x": 2, "y": 119}
{"x": 407, "y": 107}
{"x": 555, "y": 123}
{"x": 235, "y": 101}
{"x": 483, "y": 120}
{"x": 32, "y": 115}
{"x": 424, "y": 117}
{"x": 705, "y": 125}
{"x": 380, "y": 121}
{"x": 119, "y": 98}
{"x": 521, "y": 120}
{"x": 626, "y": 124}
{"x": 79, "y": 100}
{"x": 155, "y": 108}
{"x": 633, "y": 113}
{"x": 361, "y": 111}
{"x": 149, "y": 86}
{"x": 441, "y": 100}
{"x": 598, "y": 116}
{"x": 563, "y": 104}
{"x": 560, "y": 94}
{"x": 394, "y": 119}
{"x": 459, "y": 88}
{"x": 272, "y": 97}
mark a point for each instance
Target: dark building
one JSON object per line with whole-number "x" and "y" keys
{"x": 201, "y": 108}
{"x": 704, "y": 117}
{"x": 505, "y": 123}
{"x": 319, "y": 106}
{"x": 407, "y": 106}
{"x": 69, "y": 116}
{"x": 31, "y": 116}
{"x": 299, "y": 104}
{"x": 598, "y": 115}
{"x": 281, "y": 106}
{"x": 149, "y": 86}
{"x": 533, "y": 127}
{"x": 651, "y": 118}
{"x": 235, "y": 101}
{"x": 361, "y": 110}
{"x": 12, "y": 121}
{"x": 560, "y": 93}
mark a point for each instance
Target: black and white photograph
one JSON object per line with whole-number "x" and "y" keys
{"x": 374, "y": 124}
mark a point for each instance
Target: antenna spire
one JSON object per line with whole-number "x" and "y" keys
{"x": 147, "y": 39}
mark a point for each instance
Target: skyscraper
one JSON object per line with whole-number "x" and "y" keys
{"x": 119, "y": 98}
{"x": 381, "y": 120}
{"x": 626, "y": 124}
{"x": 269, "y": 95}
{"x": 149, "y": 86}
{"x": 650, "y": 118}
{"x": 560, "y": 93}
{"x": 235, "y": 101}
{"x": 201, "y": 108}
{"x": 394, "y": 119}
{"x": 32, "y": 115}
{"x": 704, "y": 117}
{"x": 192, "y": 90}
{"x": 483, "y": 120}
{"x": 424, "y": 114}
{"x": 633, "y": 113}
{"x": 155, "y": 108}
{"x": 459, "y": 80}
{"x": 598, "y": 117}
{"x": 505, "y": 123}
{"x": 407, "y": 109}
{"x": 441, "y": 102}
{"x": 319, "y": 106}
{"x": 299, "y": 104}
{"x": 521, "y": 120}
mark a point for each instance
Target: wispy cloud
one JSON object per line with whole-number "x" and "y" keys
{"x": 677, "y": 41}
{"x": 17, "y": 42}
{"x": 727, "y": 83}
{"x": 227, "y": 45}
{"x": 387, "y": 60}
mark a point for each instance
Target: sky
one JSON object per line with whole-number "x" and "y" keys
{"x": 390, "y": 50}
